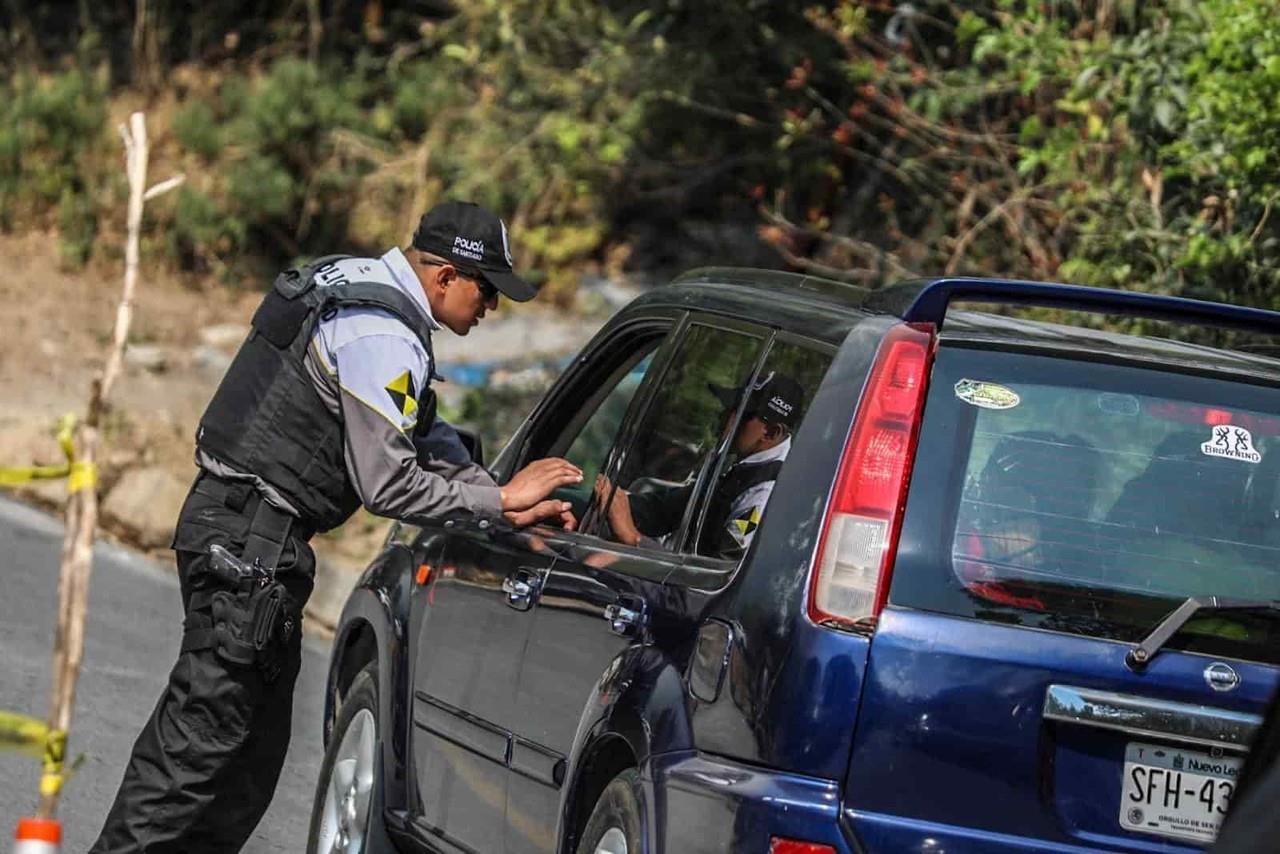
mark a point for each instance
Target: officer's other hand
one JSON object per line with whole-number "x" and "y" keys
{"x": 544, "y": 511}
{"x": 536, "y": 481}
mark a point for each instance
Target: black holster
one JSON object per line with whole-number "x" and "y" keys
{"x": 249, "y": 618}
{"x": 253, "y": 626}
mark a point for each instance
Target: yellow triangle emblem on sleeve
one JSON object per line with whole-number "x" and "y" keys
{"x": 402, "y": 395}
{"x": 748, "y": 521}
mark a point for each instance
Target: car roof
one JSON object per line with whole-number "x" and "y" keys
{"x": 996, "y": 330}
{"x": 827, "y": 309}
{"x": 807, "y": 305}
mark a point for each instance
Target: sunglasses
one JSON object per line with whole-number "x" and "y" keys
{"x": 488, "y": 292}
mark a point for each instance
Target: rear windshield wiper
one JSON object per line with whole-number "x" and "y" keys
{"x": 1141, "y": 654}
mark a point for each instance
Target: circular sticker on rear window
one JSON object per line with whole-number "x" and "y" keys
{"x": 987, "y": 395}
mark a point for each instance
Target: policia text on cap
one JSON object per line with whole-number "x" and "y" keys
{"x": 326, "y": 407}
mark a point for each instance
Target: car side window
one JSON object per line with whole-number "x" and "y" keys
{"x": 768, "y": 414}
{"x": 588, "y": 437}
{"x": 597, "y": 435}
{"x": 676, "y": 439}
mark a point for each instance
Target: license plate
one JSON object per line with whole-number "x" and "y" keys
{"x": 1178, "y": 793}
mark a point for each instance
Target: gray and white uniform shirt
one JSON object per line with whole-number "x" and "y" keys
{"x": 739, "y": 527}
{"x": 748, "y": 506}
{"x": 369, "y": 368}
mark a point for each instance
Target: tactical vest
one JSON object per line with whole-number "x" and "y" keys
{"x": 267, "y": 419}
{"x": 737, "y": 480}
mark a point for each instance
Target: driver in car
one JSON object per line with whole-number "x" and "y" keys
{"x": 760, "y": 446}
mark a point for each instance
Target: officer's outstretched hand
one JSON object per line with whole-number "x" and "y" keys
{"x": 550, "y": 510}
{"x": 536, "y": 481}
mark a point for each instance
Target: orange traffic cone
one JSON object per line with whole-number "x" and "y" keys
{"x": 38, "y": 836}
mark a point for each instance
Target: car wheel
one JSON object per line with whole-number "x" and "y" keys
{"x": 346, "y": 817}
{"x": 616, "y": 825}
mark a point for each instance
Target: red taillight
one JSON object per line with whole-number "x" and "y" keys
{"x": 778, "y": 845}
{"x": 855, "y": 553}
{"x": 1194, "y": 413}
{"x": 1215, "y": 417}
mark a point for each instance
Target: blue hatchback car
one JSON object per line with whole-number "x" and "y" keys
{"x": 1009, "y": 585}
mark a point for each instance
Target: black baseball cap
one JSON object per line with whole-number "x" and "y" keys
{"x": 476, "y": 242}
{"x": 776, "y": 398}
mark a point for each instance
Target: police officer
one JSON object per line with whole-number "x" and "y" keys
{"x": 761, "y": 444}
{"x": 324, "y": 409}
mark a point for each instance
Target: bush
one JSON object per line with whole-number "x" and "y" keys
{"x": 324, "y": 157}
{"x": 51, "y": 144}
{"x": 271, "y": 181}
{"x": 200, "y": 234}
{"x": 197, "y": 128}
{"x": 261, "y": 189}
{"x": 77, "y": 228}
{"x": 1120, "y": 143}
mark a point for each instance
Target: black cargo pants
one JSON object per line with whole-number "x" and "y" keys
{"x": 205, "y": 766}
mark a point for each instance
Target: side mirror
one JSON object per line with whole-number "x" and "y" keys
{"x": 444, "y": 441}
{"x": 472, "y": 442}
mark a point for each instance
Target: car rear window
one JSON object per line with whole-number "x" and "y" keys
{"x": 1093, "y": 499}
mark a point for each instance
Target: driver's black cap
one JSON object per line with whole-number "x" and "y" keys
{"x": 776, "y": 398}
{"x": 476, "y": 242}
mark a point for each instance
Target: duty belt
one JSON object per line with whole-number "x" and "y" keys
{"x": 270, "y": 527}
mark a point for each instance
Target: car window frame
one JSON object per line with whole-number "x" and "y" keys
{"x": 572, "y": 429}
{"x": 619, "y": 453}
{"x": 583, "y": 383}
{"x": 719, "y": 567}
{"x": 641, "y": 405}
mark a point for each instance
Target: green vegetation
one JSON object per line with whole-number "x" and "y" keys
{"x": 1113, "y": 142}
{"x": 52, "y": 130}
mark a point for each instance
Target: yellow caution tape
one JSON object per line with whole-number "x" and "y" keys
{"x": 24, "y": 734}
{"x": 16, "y": 476}
{"x": 55, "y": 752}
{"x": 80, "y": 475}
{"x": 66, "y": 428}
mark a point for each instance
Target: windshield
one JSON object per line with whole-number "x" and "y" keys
{"x": 1094, "y": 499}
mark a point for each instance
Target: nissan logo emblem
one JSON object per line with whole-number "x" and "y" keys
{"x": 1221, "y": 677}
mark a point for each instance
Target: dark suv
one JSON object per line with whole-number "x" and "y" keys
{"x": 1014, "y": 590}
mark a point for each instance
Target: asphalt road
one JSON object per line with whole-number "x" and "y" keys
{"x": 132, "y": 638}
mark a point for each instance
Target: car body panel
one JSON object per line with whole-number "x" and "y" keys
{"x": 571, "y": 645}
{"x": 465, "y": 657}
{"x": 769, "y": 712}
{"x": 704, "y": 804}
{"x": 955, "y": 707}
{"x": 639, "y": 701}
{"x": 379, "y": 604}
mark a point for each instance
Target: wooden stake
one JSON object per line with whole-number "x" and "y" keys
{"x": 82, "y": 501}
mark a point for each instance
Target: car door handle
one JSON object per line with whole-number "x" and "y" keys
{"x": 1151, "y": 718}
{"x": 626, "y": 616}
{"x": 521, "y": 587}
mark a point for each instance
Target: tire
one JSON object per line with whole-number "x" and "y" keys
{"x": 346, "y": 816}
{"x": 616, "y": 825}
